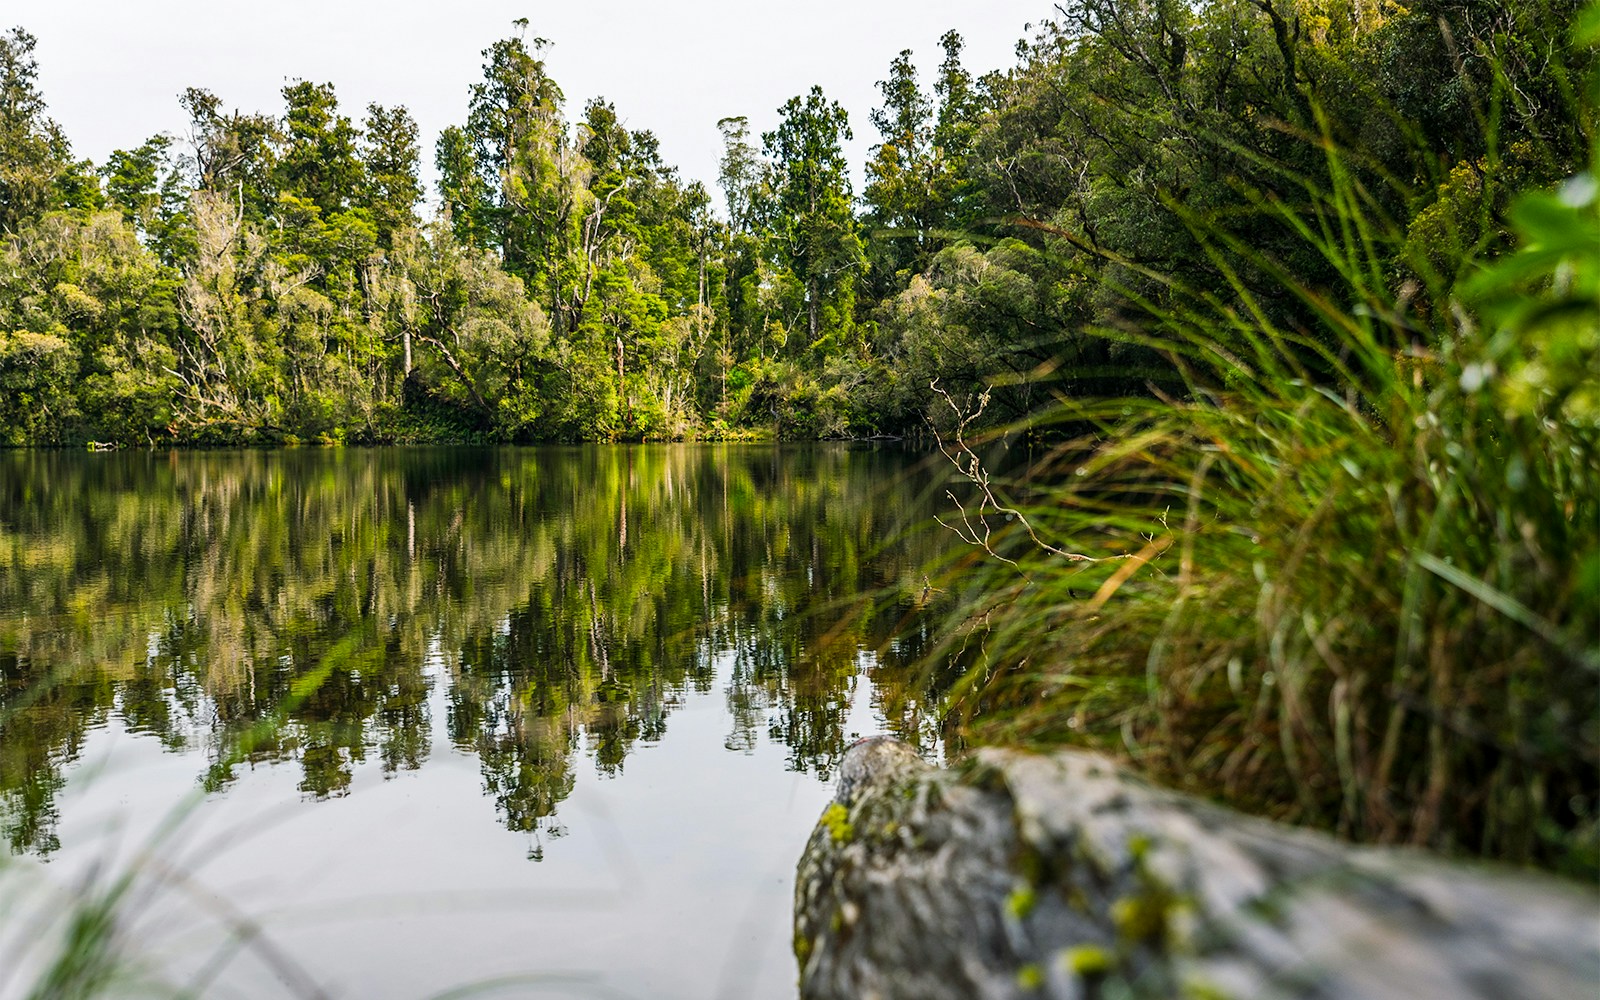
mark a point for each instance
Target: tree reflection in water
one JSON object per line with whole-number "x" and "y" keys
{"x": 300, "y": 606}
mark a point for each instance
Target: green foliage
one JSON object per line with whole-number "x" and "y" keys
{"x": 1348, "y": 577}
{"x": 463, "y": 194}
{"x": 901, "y": 174}
{"x": 37, "y": 173}
{"x": 744, "y": 177}
{"x": 233, "y": 154}
{"x": 36, "y": 385}
{"x": 814, "y": 232}
{"x": 318, "y": 162}
{"x": 480, "y": 338}
{"x": 390, "y": 157}
{"x": 917, "y": 176}
{"x": 1541, "y": 359}
{"x": 531, "y": 175}
{"x": 276, "y": 282}
{"x": 138, "y": 183}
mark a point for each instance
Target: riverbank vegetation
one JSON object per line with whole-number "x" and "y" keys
{"x": 273, "y": 276}
{"x": 1347, "y": 572}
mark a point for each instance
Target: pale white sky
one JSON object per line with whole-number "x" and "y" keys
{"x": 111, "y": 70}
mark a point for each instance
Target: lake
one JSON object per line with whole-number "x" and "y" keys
{"x": 425, "y": 722}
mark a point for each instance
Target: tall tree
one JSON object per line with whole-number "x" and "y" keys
{"x": 815, "y": 229}
{"x": 746, "y": 181}
{"x": 900, "y": 192}
{"x": 137, "y": 183}
{"x": 959, "y": 102}
{"x": 232, "y": 154}
{"x": 319, "y": 162}
{"x": 464, "y": 196}
{"x": 742, "y": 174}
{"x": 37, "y": 172}
{"x": 390, "y": 154}
{"x": 535, "y": 176}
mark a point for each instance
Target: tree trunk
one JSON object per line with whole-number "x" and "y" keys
{"x": 622, "y": 395}
{"x": 811, "y": 306}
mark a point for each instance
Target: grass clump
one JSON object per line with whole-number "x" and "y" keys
{"x": 1351, "y": 578}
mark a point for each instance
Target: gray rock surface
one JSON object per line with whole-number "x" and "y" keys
{"x": 1062, "y": 876}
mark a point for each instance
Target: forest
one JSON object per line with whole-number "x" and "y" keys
{"x": 281, "y": 276}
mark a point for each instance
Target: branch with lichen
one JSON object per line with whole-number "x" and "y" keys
{"x": 971, "y": 468}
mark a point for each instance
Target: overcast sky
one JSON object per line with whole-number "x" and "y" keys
{"x": 111, "y": 70}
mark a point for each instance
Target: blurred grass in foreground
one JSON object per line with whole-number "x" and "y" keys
{"x": 1352, "y": 578}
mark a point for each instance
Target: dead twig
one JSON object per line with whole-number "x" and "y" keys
{"x": 971, "y": 467}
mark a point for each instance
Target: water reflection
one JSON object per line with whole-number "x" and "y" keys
{"x": 299, "y": 607}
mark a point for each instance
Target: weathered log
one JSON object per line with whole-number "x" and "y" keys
{"x": 1062, "y": 876}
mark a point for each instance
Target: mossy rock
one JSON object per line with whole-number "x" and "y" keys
{"x": 1062, "y": 876}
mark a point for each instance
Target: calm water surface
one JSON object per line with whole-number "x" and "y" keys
{"x": 553, "y": 722}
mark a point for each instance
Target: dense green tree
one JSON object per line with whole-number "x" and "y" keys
{"x": 36, "y": 385}
{"x": 745, "y": 178}
{"x": 318, "y": 161}
{"x": 310, "y": 300}
{"x": 228, "y": 370}
{"x": 90, "y": 311}
{"x": 232, "y": 154}
{"x": 535, "y": 177}
{"x": 37, "y": 172}
{"x": 138, "y": 183}
{"x": 391, "y": 158}
{"x": 482, "y": 339}
{"x": 463, "y": 193}
{"x": 746, "y": 181}
{"x": 1022, "y": 232}
{"x": 643, "y": 261}
{"x": 814, "y": 228}
{"x": 958, "y": 98}
{"x": 961, "y": 106}
{"x": 902, "y": 188}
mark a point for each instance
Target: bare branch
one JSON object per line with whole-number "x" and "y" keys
{"x": 966, "y": 461}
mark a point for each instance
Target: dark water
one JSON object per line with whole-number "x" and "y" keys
{"x": 384, "y": 723}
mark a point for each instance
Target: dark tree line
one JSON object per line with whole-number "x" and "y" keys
{"x": 270, "y": 277}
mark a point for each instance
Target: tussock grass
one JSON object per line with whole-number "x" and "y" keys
{"x": 1352, "y": 577}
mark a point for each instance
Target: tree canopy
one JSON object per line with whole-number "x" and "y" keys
{"x": 272, "y": 276}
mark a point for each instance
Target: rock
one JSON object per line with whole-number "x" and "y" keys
{"x": 1063, "y": 876}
